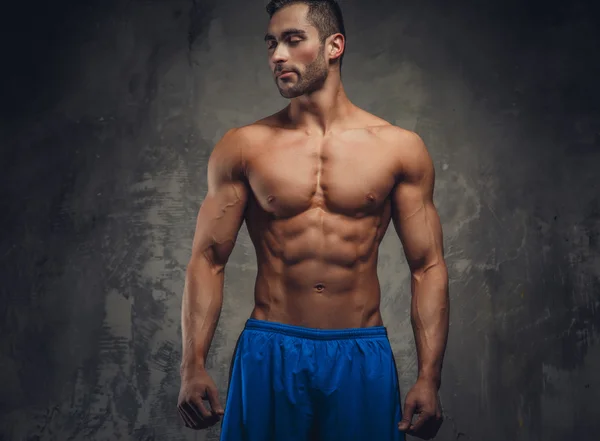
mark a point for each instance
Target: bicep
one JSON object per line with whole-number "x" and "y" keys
{"x": 221, "y": 214}
{"x": 218, "y": 223}
{"x": 414, "y": 215}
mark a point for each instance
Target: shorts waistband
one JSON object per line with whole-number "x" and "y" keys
{"x": 314, "y": 333}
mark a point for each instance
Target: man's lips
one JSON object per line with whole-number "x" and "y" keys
{"x": 285, "y": 74}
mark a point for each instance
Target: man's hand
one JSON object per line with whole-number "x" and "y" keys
{"x": 422, "y": 400}
{"x": 196, "y": 387}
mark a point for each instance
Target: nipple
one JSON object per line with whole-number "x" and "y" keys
{"x": 319, "y": 287}
{"x": 270, "y": 199}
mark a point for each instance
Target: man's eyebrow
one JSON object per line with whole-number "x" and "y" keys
{"x": 286, "y": 33}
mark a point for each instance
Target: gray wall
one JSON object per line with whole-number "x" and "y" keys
{"x": 110, "y": 111}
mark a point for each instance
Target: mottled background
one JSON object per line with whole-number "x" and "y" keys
{"x": 109, "y": 112}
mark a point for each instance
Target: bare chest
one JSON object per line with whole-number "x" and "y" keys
{"x": 349, "y": 177}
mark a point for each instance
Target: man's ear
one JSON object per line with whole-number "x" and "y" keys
{"x": 336, "y": 46}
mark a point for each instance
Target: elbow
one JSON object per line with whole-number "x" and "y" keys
{"x": 205, "y": 262}
{"x": 425, "y": 269}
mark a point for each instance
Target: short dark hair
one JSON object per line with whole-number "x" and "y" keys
{"x": 325, "y": 15}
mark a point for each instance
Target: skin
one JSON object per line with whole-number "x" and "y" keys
{"x": 317, "y": 184}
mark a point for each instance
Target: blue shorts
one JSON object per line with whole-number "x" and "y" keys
{"x": 289, "y": 383}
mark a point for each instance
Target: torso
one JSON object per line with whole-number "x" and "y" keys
{"x": 318, "y": 210}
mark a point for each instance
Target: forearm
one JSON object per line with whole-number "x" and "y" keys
{"x": 430, "y": 320}
{"x": 201, "y": 307}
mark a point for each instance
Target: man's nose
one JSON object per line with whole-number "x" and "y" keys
{"x": 280, "y": 55}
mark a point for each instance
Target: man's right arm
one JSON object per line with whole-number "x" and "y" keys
{"x": 219, "y": 220}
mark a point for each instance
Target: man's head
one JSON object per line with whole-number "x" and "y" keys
{"x": 305, "y": 38}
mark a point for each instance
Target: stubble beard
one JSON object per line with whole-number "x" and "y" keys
{"x": 310, "y": 81}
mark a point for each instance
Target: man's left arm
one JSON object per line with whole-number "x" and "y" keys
{"x": 417, "y": 223}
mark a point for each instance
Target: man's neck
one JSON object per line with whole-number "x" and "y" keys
{"x": 320, "y": 111}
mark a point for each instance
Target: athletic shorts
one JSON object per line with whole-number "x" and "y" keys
{"x": 289, "y": 383}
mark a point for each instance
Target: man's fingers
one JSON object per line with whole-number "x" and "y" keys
{"x": 193, "y": 412}
{"x": 429, "y": 428}
{"x": 198, "y": 405}
{"x": 213, "y": 399}
{"x": 197, "y": 416}
{"x": 409, "y": 410}
{"x": 187, "y": 420}
{"x": 422, "y": 419}
{"x": 193, "y": 417}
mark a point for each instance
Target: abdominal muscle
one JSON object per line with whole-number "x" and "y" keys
{"x": 317, "y": 269}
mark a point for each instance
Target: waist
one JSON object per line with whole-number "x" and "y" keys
{"x": 318, "y": 311}
{"x": 318, "y": 300}
{"x": 315, "y": 333}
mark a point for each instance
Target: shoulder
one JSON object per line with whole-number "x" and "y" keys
{"x": 398, "y": 137}
{"x": 226, "y": 160}
{"x": 249, "y": 134}
{"x": 254, "y": 133}
{"x": 230, "y": 153}
{"x": 407, "y": 149}
{"x": 392, "y": 135}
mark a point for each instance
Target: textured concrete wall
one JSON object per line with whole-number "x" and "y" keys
{"x": 110, "y": 111}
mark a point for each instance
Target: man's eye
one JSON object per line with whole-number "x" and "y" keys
{"x": 295, "y": 41}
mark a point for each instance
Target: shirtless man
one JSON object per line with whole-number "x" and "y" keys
{"x": 317, "y": 184}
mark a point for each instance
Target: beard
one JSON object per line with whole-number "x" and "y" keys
{"x": 311, "y": 80}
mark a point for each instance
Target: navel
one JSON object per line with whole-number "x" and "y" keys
{"x": 319, "y": 287}
{"x": 371, "y": 198}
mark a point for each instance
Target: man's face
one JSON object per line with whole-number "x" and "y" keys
{"x": 296, "y": 55}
